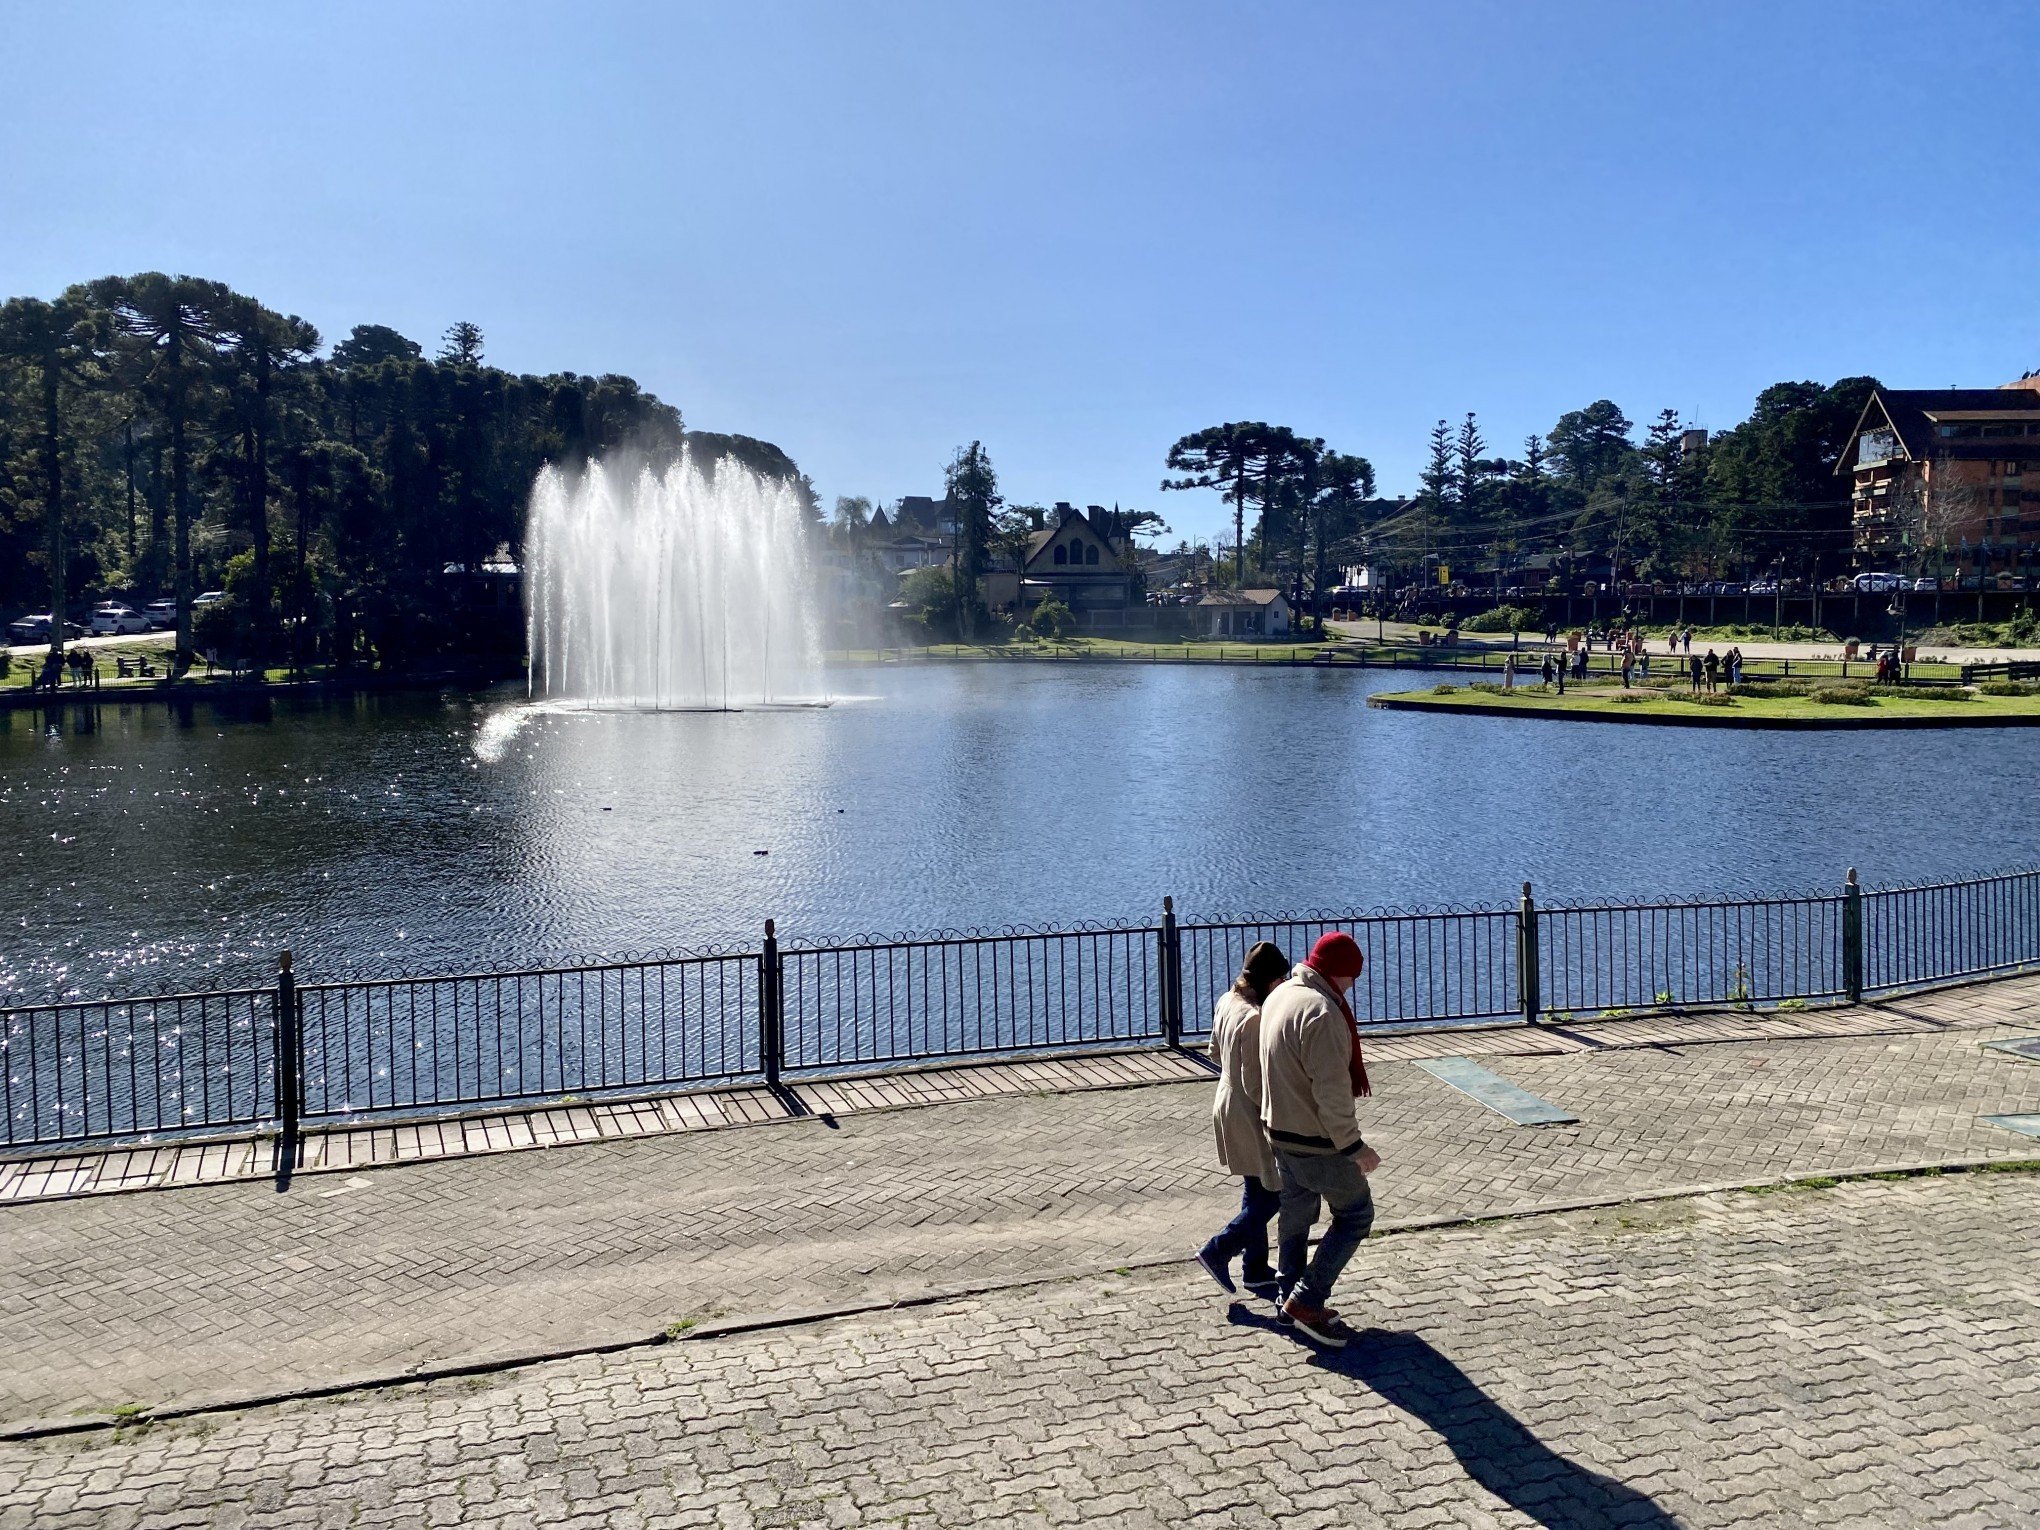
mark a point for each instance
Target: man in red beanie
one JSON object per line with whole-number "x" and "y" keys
{"x": 1311, "y": 1073}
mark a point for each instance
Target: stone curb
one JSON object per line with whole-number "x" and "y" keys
{"x": 45, "y": 1429}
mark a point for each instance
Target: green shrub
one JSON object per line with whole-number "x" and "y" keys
{"x": 1052, "y": 619}
{"x": 1847, "y": 694}
{"x": 1636, "y": 696}
{"x": 1772, "y": 690}
{"x": 1023, "y": 633}
{"x": 1921, "y": 692}
{"x": 1715, "y": 699}
{"x": 1443, "y": 690}
{"x": 1501, "y": 619}
{"x": 1487, "y": 686}
{"x": 1987, "y": 688}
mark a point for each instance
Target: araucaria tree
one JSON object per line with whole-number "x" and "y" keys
{"x": 57, "y": 349}
{"x": 1228, "y": 458}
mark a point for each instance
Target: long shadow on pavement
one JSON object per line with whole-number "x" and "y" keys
{"x": 1493, "y": 1446}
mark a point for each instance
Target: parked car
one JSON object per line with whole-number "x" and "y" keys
{"x": 1878, "y": 584}
{"x": 111, "y": 618}
{"x": 1927, "y": 585}
{"x": 161, "y": 614}
{"x": 210, "y": 597}
{"x": 36, "y": 629}
{"x": 1763, "y": 587}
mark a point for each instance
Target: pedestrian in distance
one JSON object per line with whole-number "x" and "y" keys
{"x": 1243, "y": 1147}
{"x": 1695, "y": 668}
{"x": 1628, "y": 667}
{"x": 1509, "y": 673}
{"x": 1713, "y": 662}
{"x": 1549, "y": 667}
{"x": 1311, "y": 1073}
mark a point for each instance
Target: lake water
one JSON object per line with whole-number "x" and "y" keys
{"x": 144, "y": 847}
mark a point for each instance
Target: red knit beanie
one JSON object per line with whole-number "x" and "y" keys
{"x": 1336, "y": 955}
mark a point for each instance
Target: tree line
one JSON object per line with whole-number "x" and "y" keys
{"x": 1677, "y": 503}
{"x": 160, "y": 434}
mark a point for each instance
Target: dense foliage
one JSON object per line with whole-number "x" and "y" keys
{"x": 165, "y": 435}
{"x": 1583, "y": 500}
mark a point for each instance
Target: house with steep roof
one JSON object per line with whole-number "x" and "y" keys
{"x": 1080, "y": 561}
{"x": 1946, "y": 468}
{"x": 1245, "y": 613}
{"x": 911, "y": 538}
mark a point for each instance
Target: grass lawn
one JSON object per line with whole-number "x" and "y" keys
{"x": 155, "y": 647}
{"x": 1873, "y": 706}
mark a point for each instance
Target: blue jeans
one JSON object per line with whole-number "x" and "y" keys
{"x": 1309, "y": 1179}
{"x": 1245, "y": 1237}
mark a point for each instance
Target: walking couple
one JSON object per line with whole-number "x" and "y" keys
{"x": 1288, "y": 1050}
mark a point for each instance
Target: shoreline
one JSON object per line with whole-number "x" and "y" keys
{"x": 1662, "y": 715}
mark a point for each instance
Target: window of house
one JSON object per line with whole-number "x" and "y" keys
{"x": 1062, "y": 555}
{"x": 1090, "y": 555}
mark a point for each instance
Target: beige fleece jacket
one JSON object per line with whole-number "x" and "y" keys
{"x": 1306, "y": 1077}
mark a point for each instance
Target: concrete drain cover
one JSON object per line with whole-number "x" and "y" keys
{"x": 1495, "y": 1092}
{"x": 2028, "y": 1047}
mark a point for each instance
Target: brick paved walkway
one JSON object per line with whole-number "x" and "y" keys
{"x": 231, "y": 1291}
{"x": 1862, "y": 1356}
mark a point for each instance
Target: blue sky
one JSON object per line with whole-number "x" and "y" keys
{"x": 870, "y": 232}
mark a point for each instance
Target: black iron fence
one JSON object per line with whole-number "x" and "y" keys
{"x": 276, "y": 1057}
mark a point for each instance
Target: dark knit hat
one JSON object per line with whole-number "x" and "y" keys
{"x": 1265, "y": 966}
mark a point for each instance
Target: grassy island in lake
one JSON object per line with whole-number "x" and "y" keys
{"x": 1759, "y": 704}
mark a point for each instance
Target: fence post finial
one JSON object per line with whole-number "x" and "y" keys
{"x": 283, "y": 961}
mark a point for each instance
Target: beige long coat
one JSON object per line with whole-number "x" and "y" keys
{"x": 1236, "y": 1112}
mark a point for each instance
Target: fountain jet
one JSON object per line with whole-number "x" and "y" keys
{"x": 670, "y": 590}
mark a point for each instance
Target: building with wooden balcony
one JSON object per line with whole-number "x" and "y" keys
{"x": 1941, "y": 475}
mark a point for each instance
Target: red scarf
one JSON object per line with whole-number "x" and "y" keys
{"x": 1356, "y": 1066}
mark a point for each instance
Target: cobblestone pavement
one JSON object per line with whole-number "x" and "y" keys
{"x": 233, "y": 1291}
{"x": 1865, "y": 1355}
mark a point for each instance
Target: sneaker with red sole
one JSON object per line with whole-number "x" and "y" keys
{"x": 1321, "y": 1325}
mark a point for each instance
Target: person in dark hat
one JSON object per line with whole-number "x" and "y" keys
{"x": 1236, "y": 1118}
{"x": 1311, "y": 1072}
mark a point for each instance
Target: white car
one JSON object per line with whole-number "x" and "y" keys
{"x": 209, "y": 598}
{"x": 111, "y": 617}
{"x": 1878, "y": 584}
{"x": 1927, "y": 586}
{"x": 161, "y": 614}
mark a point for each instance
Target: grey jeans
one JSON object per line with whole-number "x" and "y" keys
{"x": 1307, "y": 1180}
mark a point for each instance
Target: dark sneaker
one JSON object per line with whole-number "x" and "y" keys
{"x": 1320, "y": 1325}
{"x": 1267, "y": 1287}
{"x": 1215, "y": 1267}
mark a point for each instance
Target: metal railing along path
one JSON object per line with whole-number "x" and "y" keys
{"x": 381, "y": 1048}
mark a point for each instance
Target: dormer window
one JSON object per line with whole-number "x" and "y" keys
{"x": 1090, "y": 555}
{"x": 1062, "y": 555}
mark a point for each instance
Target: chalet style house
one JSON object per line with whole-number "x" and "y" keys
{"x": 1079, "y": 559}
{"x": 1955, "y": 470}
